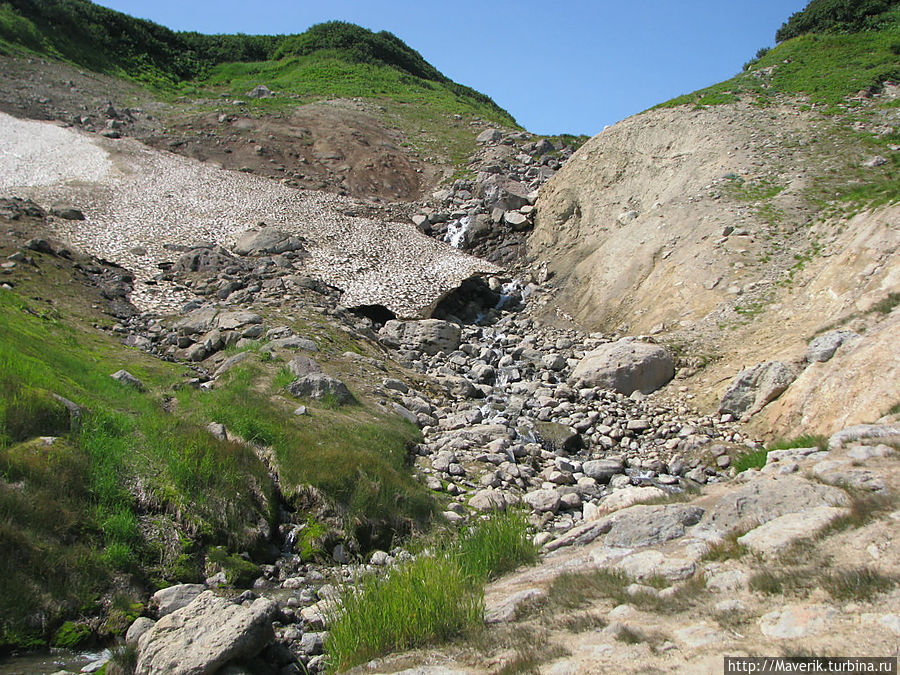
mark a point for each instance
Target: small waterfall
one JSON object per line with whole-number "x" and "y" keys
{"x": 456, "y": 231}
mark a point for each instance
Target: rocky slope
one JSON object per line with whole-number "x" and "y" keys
{"x": 705, "y": 228}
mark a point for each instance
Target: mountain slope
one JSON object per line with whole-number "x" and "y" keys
{"x": 739, "y": 222}
{"x": 392, "y": 126}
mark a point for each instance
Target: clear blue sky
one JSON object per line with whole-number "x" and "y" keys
{"x": 559, "y": 66}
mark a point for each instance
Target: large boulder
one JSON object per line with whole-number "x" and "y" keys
{"x": 429, "y": 336}
{"x": 203, "y": 636}
{"x": 625, "y": 366}
{"x": 267, "y": 241}
{"x": 498, "y": 191}
{"x": 823, "y": 347}
{"x": 320, "y": 386}
{"x": 754, "y": 387}
{"x": 171, "y": 599}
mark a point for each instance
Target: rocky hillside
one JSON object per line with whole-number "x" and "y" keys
{"x": 302, "y": 395}
{"x": 737, "y": 225}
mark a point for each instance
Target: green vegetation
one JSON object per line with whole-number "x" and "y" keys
{"x": 756, "y": 459}
{"x": 130, "y": 491}
{"x": 572, "y": 590}
{"x": 434, "y": 597}
{"x": 355, "y": 457}
{"x": 827, "y": 64}
{"x": 838, "y": 16}
{"x": 334, "y": 59}
{"x": 860, "y": 583}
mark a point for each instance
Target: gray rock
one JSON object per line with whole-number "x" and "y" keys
{"x": 755, "y": 387}
{"x": 128, "y": 379}
{"x": 773, "y": 537}
{"x": 140, "y": 626}
{"x": 312, "y": 643}
{"x": 543, "y": 501}
{"x": 236, "y": 320}
{"x": 66, "y": 212}
{"x": 602, "y": 470}
{"x": 259, "y": 91}
{"x": 488, "y": 136}
{"x": 300, "y": 366}
{"x": 267, "y": 241}
{"x": 639, "y": 526}
{"x": 823, "y": 347}
{"x": 506, "y": 608}
{"x": 488, "y": 500}
{"x": 168, "y": 600}
{"x": 625, "y": 366}
{"x": 320, "y": 386}
{"x": 203, "y": 636}
{"x": 797, "y": 621}
{"x": 765, "y": 499}
{"x": 883, "y": 432}
{"x": 429, "y": 336}
{"x": 231, "y": 362}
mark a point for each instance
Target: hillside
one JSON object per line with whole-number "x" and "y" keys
{"x": 312, "y": 361}
{"x": 739, "y": 222}
{"x": 343, "y": 108}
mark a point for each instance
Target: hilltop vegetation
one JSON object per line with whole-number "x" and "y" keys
{"x": 827, "y": 53}
{"x": 839, "y": 16}
{"x": 330, "y": 59}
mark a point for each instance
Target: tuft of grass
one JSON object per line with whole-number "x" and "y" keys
{"x": 860, "y": 583}
{"x": 864, "y": 507}
{"x": 728, "y": 549}
{"x": 429, "y": 599}
{"x": 887, "y": 304}
{"x": 572, "y": 590}
{"x": 496, "y": 546}
{"x": 756, "y": 459}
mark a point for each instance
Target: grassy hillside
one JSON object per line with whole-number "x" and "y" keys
{"x": 330, "y": 59}
{"x": 824, "y": 66}
{"x": 132, "y": 492}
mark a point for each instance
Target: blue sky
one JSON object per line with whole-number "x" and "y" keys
{"x": 569, "y": 66}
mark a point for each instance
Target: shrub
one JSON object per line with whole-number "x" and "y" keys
{"x": 829, "y": 16}
{"x": 431, "y": 598}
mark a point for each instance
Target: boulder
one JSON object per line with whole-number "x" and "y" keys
{"x": 205, "y": 635}
{"x": 625, "y": 366}
{"x": 601, "y": 470}
{"x": 320, "y": 386}
{"x": 498, "y": 191}
{"x": 429, "y": 336}
{"x": 168, "y": 600}
{"x": 128, "y": 379}
{"x": 488, "y": 136}
{"x": 755, "y": 387}
{"x": 236, "y": 320}
{"x": 823, "y": 347}
{"x": 765, "y": 499}
{"x": 773, "y": 537}
{"x": 259, "y": 91}
{"x": 641, "y": 525}
{"x": 543, "y": 501}
{"x": 267, "y": 241}
{"x": 301, "y": 366}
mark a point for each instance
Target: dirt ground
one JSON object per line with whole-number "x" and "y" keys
{"x": 336, "y": 146}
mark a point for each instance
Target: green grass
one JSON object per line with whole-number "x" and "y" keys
{"x": 351, "y": 455}
{"x": 856, "y": 584}
{"x": 432, "y": 598}
{"x": 69, "y": 518}
{"x": 826, "y": 68}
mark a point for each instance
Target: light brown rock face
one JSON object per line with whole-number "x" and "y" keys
{"x": 689, "y": 225}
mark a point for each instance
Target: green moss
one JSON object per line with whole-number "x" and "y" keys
{"x": 72, "y": 635}
{"x": 239, "y": 571}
